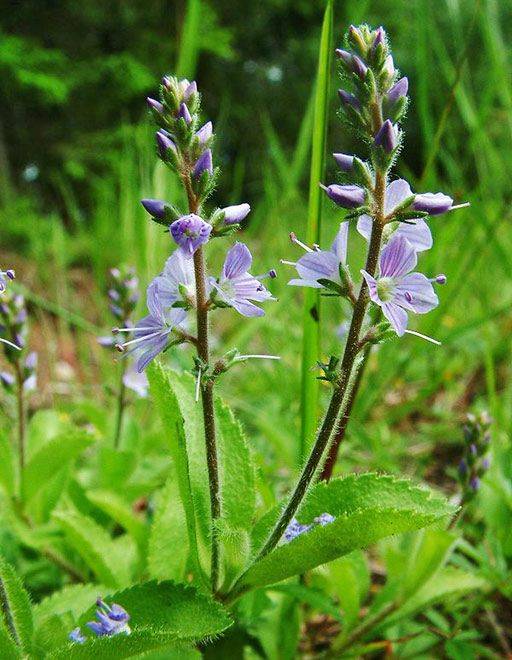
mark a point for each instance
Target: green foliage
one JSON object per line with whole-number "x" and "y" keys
{"x": 174, "y": 609}
{"x": 120, "y": 511}
{"x": 15, "y": 609}
{"x": 366, "y": 507}
{"x": 106, "y": 558}
{"x": 169, "y": 409}
{"x": 138, "y": 645}
{"x": 7, "y": 469}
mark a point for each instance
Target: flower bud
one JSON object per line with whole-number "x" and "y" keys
{"x": 379, "y": 39}
{"x": 164, "y": 143}
{"x": 184, "y": 113}
{"x": 349, "y": 99}
{"x": 398, "y": 90}
{"x": 189, "y": 232}
{"x": 387, "y": 137}
{"x": 348, "y": 197}
{"x": 345, "y": 161}
{"x": 389, "y": 68}
{"x": 344, "y": 56}
{"x": 235, "y": 214}
{"x": 155, "y": 208}
{"x": 154, "y": 105}
{"x": 205, "y": 133}
{"x": 432, "y": 203}
{"x": 203, "y": 164}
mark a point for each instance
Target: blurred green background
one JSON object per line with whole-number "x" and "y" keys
{"x": 77, "y": 155}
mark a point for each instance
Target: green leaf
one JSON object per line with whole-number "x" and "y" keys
{"x": 104, "y": 557}
{"x": 315, "y": 598}
{"x": 135, "y": 645}
{"x": 15, "y": 607}
{"x": 121, "y": 512}
{"x": 311, "y": 318}
{"x": 172, "y": 418}
{"x": 348, "y": 579}
{"x": 168, "y": 532}
{"x": 366, "y": 507}
{"x": 174, "y": 609}
{"x": 10, "y": 650}
{"x": 74, "y": 598}
{"x": 50, "y": 459}
{"x": 7, "y": 469}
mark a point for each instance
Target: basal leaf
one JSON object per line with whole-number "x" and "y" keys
{"x": 74, "y": 598}
{"x": 15, "y": 608}
{"x": 366, "y": 507}
{"x": 176, "y": 610}
{"x": 139, "y": 644}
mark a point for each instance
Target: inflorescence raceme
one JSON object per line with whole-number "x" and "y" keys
{"x": 185, "y": 146}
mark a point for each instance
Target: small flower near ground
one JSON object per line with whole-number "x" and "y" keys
{"x": 397, "y": 290}
{"x": 236, "y": 287}
{"x": 112, "y": 620}
{"x": 318, "y": 266}
{"x": 151, "y": 333}
{"x": 416, "y": 230}
{"x": 190, "y": 232}
{"x": 76, "y": 636}
{"x": 295, "y": 528}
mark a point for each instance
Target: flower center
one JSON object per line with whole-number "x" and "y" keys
{"x": 385, "y": 288}
{"x": 227, "y": 288}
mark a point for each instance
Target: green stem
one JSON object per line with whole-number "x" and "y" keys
{"x": 120, "y": 406}
{"x": 20, "y": 402}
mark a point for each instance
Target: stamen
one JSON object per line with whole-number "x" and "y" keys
{"x": 294, "y": 239}
{"x": 240, "y": 358}
{"x": 198, "y": 383}
{"x": 138, "y": 339}
{"x": 9, "y": 343}
{"x": 271, "y": 273}
{"x": 439, "y": 279}
{"x": 460, "y": 206}
{"x": 418, "y": 334}
{"x": 288, "y": 263}
{"x": 116, "y": 330}
{"x": 408, "y": 297}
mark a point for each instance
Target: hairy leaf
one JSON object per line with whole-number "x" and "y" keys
{"x": 127, "y": 646}
{"x": 103, "y": 556}
{"x": 15, "y": 607}
{"x": 366, "y": 507}
{"x": 74, "y": 598}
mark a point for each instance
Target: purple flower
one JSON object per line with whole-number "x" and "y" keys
{"x": 418, "y": 234}
{"x": 397, "y": 290}
{"x": 155, "y": 105}
{"x": 203, "y": 164}
{"x": 187, "y": 88}
{"x": 323, "y": 264}
{"x": 184, "y": 113}
{"x": 380, "y": 38}
{"x": 324, "y": 519}
{"x": 7, "y": 379}
{"x": 164, "y": 143}
{"x": 190, "y": 232}
{"x": 237, "y": 287}
{"x": 348, "y": 197}
{"x": 349, "y": 99}
{"x": 344, "y": 161}
{"x": 205, "y": 133}
{"x": 112, "y": 620}
{"x": 4, "y": 276}
{"x": 155, "y": 207}
{"x": 432, "y": 203}
{"x": 387, "y": 137}
{"x": 151, "y": 333}
{"x": 235, "y": 214}
{"x": 398, "y": 90}
{"x": 295, "y": 529}
{"x": 474, "y": 484}
{"x": 177, "y": 281}
{"x": 76, "y": 636}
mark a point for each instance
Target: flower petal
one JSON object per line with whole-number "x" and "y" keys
{"x": 421, "y": 295}
{"x": 396, "y": 192}
{"x": 339, "y": 246}
{"x": 318, "y": 265}
{"x": 155, "y": 346}
{"x": 372, "y": 287}
{"x": 311, "y": 283}
{"x": 364, "y": 226}
{"x": 238, "y": 261}
{"x": 396, "y": 316}
{"x": 418, "y": 234}
{"x": 398, "y": 257}
{"x": 154, "y": 303}
{"x": 247, "y": 308}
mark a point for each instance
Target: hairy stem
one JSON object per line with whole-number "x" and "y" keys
{"x": 120, "y": 406}
{"x": 20, "y": 403}
{"x": 207, "y": 399}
